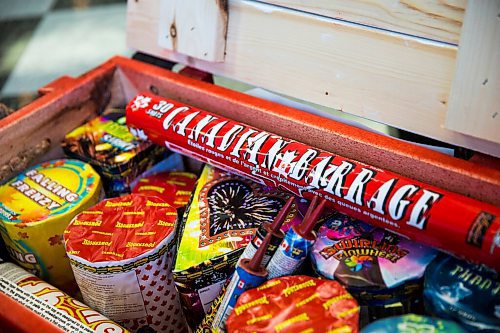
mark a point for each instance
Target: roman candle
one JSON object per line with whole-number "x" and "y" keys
{"x": 427, "y": 214}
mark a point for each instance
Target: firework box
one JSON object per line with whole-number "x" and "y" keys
{"x": 223, "y": 215}
{"x": 108, "y": 146}
{"x": 121, "y": 252}
{"x": 68, "y": 102}
{"x": 36, "y": 207}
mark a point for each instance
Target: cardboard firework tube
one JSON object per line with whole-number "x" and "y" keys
{"x": 51, "y": 303}
{"x": 296, "y": 245}
{"x": 424, "y": 213}
{"x": 249, "y": 274}
{"x": 121, "y": 252}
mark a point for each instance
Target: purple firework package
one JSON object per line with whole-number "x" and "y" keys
{"x": 380, "y": 268}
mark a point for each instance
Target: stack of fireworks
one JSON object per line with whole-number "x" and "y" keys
{"x": 244, "y": 256}
{"x": 377, "y": 263}
{"x": 224, "y": 215}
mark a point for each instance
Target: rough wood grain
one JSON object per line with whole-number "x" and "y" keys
{"x": 474, "y": 106}
{"x": 435, "y": 19}
{"x": 194, "y": 27}
{"x": 397, "y": 80}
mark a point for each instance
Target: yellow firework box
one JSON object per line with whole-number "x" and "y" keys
{"x": 35, "y": 208}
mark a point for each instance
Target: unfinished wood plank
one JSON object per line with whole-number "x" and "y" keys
{"x": 435, "y": 19}
{"x": 398, "y": 80}
{"x": 194, "y": 27}
{"x": 474, "y": 106}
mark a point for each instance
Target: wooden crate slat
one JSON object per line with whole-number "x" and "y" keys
{"x": 194, "y": 27}
{"x": 474, "y": 106}
{"x": 437, "y": 20}
{"x": 390, "y": 78}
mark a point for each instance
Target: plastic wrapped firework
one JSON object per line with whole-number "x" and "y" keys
{"x": 469, "y": 294}
{"x": 383, "y": 270}
{"x": 292, "y": 304}
{"x": 121, "y": 252}
{"x": 420, "y": 211}
{"x": 174, "y": 187}
{"x": 413, "y": 323}
{"x": 52, "y": 304}
{"x": 117, "y": 155}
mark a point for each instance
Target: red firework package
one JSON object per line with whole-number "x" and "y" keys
{"x": 295, "y": 304}
{"x": 121, "y": 252}
{"x": 173, "y": 187}
{"x": 427, "y": 214}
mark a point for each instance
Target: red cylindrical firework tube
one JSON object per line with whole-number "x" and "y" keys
{"x": 269, "y": 228}
{"x": 439, "y": 218}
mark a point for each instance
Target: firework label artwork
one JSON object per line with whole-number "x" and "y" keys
{"x": 240, "y": 282}
{"x": 234, "y": 207}
{"x": 257, "y": 240}
{"x": 52, "y": 304}
{"x": 290, "y": 255}
{"x": 414, "y": 209}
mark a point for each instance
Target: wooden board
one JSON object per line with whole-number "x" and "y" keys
{"x": 437, "y": 20}
{"x": 475, "y": 97}
{"x": 394, "y": 79}
{"x": 194, "y": 27}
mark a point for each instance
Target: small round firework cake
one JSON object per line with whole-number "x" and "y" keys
{"x": 121, "y": 252}
{"x": 292, "y": 304}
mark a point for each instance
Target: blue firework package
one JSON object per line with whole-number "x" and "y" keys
{"x": 413, "y": 323}
{"x": 463, "y": 292}
{"x": 222, "y": 218}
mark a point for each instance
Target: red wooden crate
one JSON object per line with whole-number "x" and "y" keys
{"x": 68, "y": 102}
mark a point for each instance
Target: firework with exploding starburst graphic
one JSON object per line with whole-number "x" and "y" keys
{"x": 223, "y": 217}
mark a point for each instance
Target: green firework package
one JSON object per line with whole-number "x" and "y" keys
{"x": 384, "y": 271}
{"x": 224, "y": 214}
{"x": 121, "y": 252}
{"x": 117, "y": 155}
{"x": 424, "y": 213}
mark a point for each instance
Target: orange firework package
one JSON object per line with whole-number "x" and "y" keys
{"x": 173, "y": 187}
{"x": 295, "y": 304}
{"x": 52, "y": 304}
{"x": 121, "y": 253}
